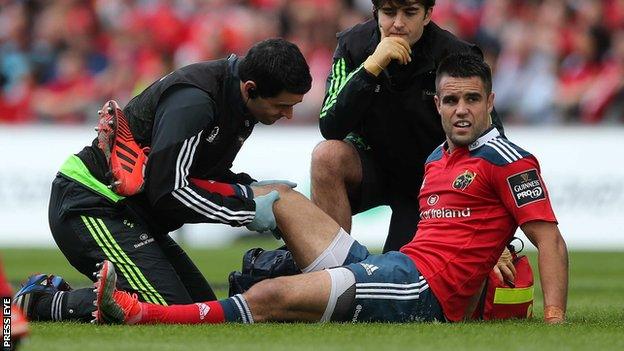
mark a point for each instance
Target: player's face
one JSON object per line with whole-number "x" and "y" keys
{"x": 407, "y": 22}
{"x": 270, "y": 110}
{"x": 465, "y": 109}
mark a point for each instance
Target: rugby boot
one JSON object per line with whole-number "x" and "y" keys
{"x": 35, "y": 287}
{"x": 114, "y": 306}
{"x": 126, "y": 158}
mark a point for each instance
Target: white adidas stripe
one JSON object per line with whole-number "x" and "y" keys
{"x": 382, "y": 294}
{"x": 209, "y": 209}
{"x": 390, "y": 285}
{"x": 505, "y": 148}
{"x": 508, "y": 146}
{"x": 188, "y": 160}
{"x": 387, "y": 297}
{"x": 185, "y": 159}
{"x": 176, "y": 194}
{"x": 243, "y": 301}
{"x": 499, "y": 151}
{"x": 212, "y": 206}
{"x": 56, "y": 306}
{"x": 178, "y": 171}
{"x": 388, "y": 291}
{"x": 240, "y": 309}
{"x": 391, "y": 291}
{"x": 243, "y": 189}
{"x": 196, "y": 202}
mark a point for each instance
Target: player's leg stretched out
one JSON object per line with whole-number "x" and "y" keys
{"x": 317, "y": 243}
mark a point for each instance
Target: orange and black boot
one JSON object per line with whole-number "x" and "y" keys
{"x": 126, "y": 159}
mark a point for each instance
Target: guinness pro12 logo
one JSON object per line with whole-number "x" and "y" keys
{"x": 526, "y": 187}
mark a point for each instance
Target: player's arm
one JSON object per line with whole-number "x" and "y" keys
{"x": 553, "y": 267}
{"x": 348, "y": 95}
{"x": 524, "y": 194}
{"x": 181, "y": 117}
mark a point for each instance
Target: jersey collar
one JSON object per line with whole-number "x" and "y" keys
{"x": 235, "y": 96}
{"x": 488, "y": 135}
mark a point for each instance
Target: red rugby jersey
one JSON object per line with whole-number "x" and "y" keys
{"x": 471, "y": 203}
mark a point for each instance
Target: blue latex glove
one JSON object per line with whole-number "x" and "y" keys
{"x": 292, "y": 185}
{"x": 264, "y": 219}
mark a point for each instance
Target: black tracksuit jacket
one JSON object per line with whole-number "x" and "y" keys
{"x": 194, "y": 137}
{"x": 393, "y": 114}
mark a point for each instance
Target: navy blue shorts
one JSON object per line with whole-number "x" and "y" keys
{"x": 389, "y": 288}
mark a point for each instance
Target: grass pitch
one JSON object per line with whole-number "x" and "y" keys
{"x": 595, "y": 317}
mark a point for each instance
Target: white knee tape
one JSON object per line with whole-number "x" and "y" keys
{"x": 334, "y": 255}
{"x": 341, "y": 280}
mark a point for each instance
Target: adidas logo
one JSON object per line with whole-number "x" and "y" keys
{"x": 370, "y": 269}
{"x": 203, "y": 310}
{"x": 213, "y": 135}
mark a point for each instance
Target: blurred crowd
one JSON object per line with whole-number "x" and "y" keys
{"x": 554, "y": 61}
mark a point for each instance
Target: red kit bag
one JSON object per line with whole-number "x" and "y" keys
{"x": 503, "y": 300}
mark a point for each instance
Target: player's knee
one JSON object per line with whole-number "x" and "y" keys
{"x": 331, "y": 158}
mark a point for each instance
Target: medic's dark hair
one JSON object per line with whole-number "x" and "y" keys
{"x": 276, "y": 65}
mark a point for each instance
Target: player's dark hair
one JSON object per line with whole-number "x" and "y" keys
{"x": 465, "y": 65}
{"x": 275, "y": 65}
{"x": 377, "y": 4}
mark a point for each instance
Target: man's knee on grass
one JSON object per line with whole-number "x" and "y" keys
{"x": 334, "y": 160}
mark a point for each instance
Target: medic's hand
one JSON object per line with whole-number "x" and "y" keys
{"x": 388, "y": 49}
{"x": 288, "y": 183}
{"x": 504, "y": 269}
{"x": 264, "y": 219}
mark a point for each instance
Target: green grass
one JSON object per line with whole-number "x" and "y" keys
{"x": 595, "y": 317}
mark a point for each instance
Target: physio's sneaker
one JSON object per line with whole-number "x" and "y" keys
{"x": 35, "y": 287}
{"x": 126, "y": 159}
{"x": 19, "y": 327}
{"x": 114, "y": 306}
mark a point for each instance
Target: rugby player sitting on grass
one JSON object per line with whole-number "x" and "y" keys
{"x": 478, "y": 188}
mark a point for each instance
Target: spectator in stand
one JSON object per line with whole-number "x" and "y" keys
{"x": 580, "y": 69}
{"x": 15, "y": 70}
{"x": 125, "y": 44}
{"x": 528, "y": 60}
{"x": 69, "y": 97}
{"x": 604, "y": 98}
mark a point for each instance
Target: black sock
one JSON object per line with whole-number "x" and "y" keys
{"x": 75, "y": 305}
{"x": 42, "y": 308}
{"x": 78, "y": 305}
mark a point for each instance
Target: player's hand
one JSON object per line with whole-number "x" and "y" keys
{"x": 504, "y": 269}
{"x": 288, "y": 183}
{"x": 388, "y": 49}
{"x": 264, "y": 219}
